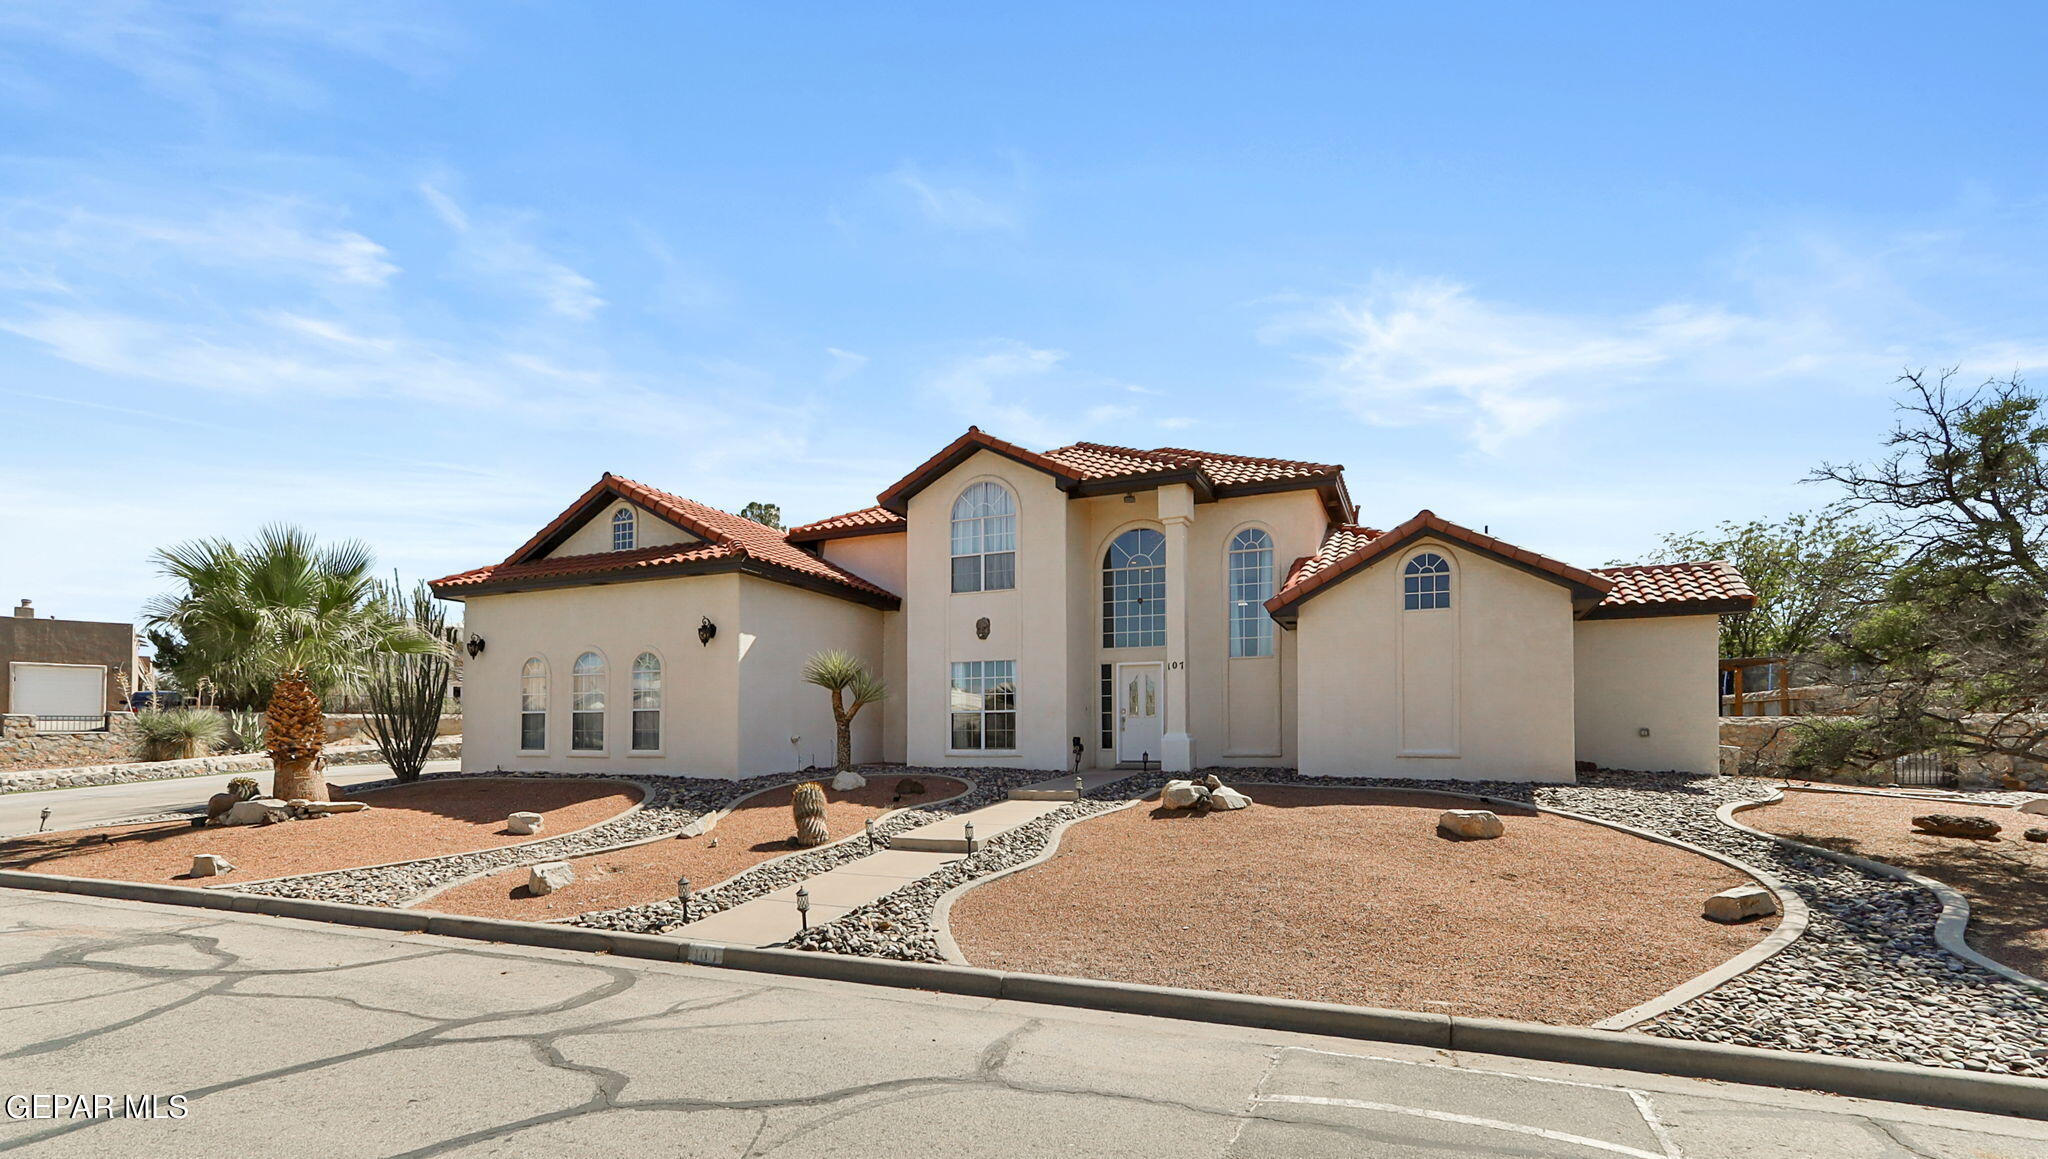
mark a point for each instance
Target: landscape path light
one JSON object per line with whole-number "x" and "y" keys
{"x": 683, "y": 892}
{"x": 803, "y": 905}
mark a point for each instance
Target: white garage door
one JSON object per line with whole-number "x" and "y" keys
{"x": 58, "y": 689}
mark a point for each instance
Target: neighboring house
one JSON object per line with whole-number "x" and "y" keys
{"x": 1093, "y": 606}
{"x": 63, "y": 668}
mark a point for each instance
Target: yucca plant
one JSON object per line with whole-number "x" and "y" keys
{"x": 844, "y": 674}
{"x": 176, "y": 734}
{"x": 284, "y": 620}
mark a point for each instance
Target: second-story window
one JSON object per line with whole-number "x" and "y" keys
{"x": 1251, "y": 585}
{"x": 1134, "y": 590}
{"x": 1426, "y": 583}
{"x": 984, "y": 539}
{"x": 622, "y": 529}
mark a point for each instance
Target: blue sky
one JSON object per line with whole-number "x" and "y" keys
{"x": 419, "y": 273}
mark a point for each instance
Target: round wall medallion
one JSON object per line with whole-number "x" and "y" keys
{"x": 981, "y": 628}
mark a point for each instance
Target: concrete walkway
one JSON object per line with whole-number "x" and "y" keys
{"x": 772, "y": 919}
{"x": 285, "y": 1039}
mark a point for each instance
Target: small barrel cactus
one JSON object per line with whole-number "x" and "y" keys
{"x": 808, "y": 804}
{"x": 244, "y": 789}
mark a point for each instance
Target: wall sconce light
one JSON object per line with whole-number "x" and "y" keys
{"x": 803, "y": 905}
{"x": 475, "y": 646}
{"x": 706, "y": 630}
{"x": 1130, "y": 497}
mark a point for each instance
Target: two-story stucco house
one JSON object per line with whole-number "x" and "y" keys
{"x": 1089, "y": 606}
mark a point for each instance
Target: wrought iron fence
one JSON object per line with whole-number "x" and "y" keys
{"x": 72, "y": 723}
{"x": 1920, "y": 769}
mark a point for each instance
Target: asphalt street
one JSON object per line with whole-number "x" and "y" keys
{"x": 100, "y": 804}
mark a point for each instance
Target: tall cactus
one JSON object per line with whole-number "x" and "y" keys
{"x": 808, "y": 803}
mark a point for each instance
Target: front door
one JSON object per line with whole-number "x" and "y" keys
{"x": 1138, "y": 688}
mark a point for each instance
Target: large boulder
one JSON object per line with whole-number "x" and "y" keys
{"x": 1471, "y": 824}
{"x": 1182, "y": 795}
{"x": 548, "y": 876}
{"x": 1741, "y": 903}
{"x": 259, "y": 811}
{"x": 1956, "y": 825}
{"x": 847, "y": 780}
{"x": 1227, "y": 798}
{"x": 525, "y": 823}
{"x": 209, "y": 865}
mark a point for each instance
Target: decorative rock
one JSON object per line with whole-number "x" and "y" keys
{"x": 1181, "y": 794}
{"x": 1471, "y": 824}
{"x": 548, "y": 876}
{"x": 848, "y": 780}
{"x": 331, "y": 807}
{"x": 209, "y": 865}
{"x": 1955, "y": 825}
{"x": 2038, "y": 835}
{"x": 260, "y": 811}
{"x": 2038, "y": 806}
{"x": 1744, "y": 901}
{"x": 219, "y": 803}
{"x": 525, "y": 823}
{"x": 1212, "y": 782}
{"x": 1228, "y": 798}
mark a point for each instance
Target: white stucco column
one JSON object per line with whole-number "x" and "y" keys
{"x": 1176, "y": 517}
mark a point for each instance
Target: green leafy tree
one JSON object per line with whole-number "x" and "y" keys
{"x": 1955, "y": 654}
{"x": 763, "y": 513}
{"x": 1812, "y": 574}
{"x": 280, "y": 622}
{"x": 844, "y": 675}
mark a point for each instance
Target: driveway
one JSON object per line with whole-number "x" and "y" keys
{"x": 287, "y": 1038}
{"x": 99, "y": 804}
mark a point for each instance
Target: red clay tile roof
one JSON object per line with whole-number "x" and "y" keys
{"x": 866, "y": 521}
{"x": 897, "y": 497}
{"x": 731, "y": 542}
{"x": 1671, "y": 589}
{"x": 1317, "y": 573}
{"x": 1338, "y": 542}
{"x": 1102, "y": 461}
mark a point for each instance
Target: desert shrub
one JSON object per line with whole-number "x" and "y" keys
{"x": 172, "y": 734}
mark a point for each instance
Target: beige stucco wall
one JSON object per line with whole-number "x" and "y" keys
{"x": 780, "y": 627}
{"x": 1028, "y": 624}
{"x": 1510, "y": 681}
{"x": 1657, "y": 673}
{"x": 649, "y": 530}
{"x": 881, "y": 560}
{"x": 878, "y": 559}
{"x": 700, "y": 684}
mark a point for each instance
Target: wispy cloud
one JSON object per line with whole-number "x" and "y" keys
{"x": 265, "y": 234}
{"x": 497, "y": 246}
{"x": 845, "y": 364}
{"x": 951, "y": 204}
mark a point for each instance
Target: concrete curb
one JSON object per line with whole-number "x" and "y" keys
{"x": 942, "y": 910}
{"x": 1856, "y": 1078}
{"x": 646, "y": 792}
{"x": 1949, "y": 928}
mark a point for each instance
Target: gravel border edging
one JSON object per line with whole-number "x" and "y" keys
{"x": 1856, "y": 1078}
{"x": 1949, "y": 928}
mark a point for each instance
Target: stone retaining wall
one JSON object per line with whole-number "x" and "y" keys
{"x": 23, "y": 746}
{"x": 351, "y": 726}
{"x": 1756, "y": 746}
{"x": 68, "y": 778}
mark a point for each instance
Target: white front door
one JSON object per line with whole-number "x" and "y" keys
{"x": 1138, "y": 692}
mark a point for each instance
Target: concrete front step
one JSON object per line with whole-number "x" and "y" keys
{"x": 950, "y": 835}
{"x": 1060, "y": 789}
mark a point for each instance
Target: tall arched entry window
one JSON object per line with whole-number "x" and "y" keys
{"x": 984, "y": 539}
{"x": 1251, "y": 585}
{"x": 1134, "y": 590}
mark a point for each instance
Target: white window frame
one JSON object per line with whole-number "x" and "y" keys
{"x": 634, "y": 710}
{"x": 990, "y": 519}
{"x": 1133, "y": 585}
{"x": 526, "y": 708}
{"x": 625, "y": 529}
{"x": 1248, "y": 584}
{"x": 576, "y": 698}
{"x": 1426, "y": 582}
{"x": 978, "y": 674}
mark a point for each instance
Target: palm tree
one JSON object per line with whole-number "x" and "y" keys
{"x": 284, "y": 620}
{"x": 841, "y": 673}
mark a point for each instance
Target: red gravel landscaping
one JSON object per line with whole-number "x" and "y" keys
{"x": 429, "y": 818}
{"x": 1351, "y": 896}
{"x": 761, "y": 828}
{"x": 2005, "y": 878}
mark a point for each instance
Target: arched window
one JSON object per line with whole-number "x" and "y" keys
{"x": 984, "y": 539}
{"x": 1134, "y": 590}
{"x": 622, "y": 529}
{"x": 586, "y": 704}
{"x": 1426, "y": 582}
{"x": 647, "y": 702}
{"x": 1251, "y": 585}
{"x": 533, "y": 705}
